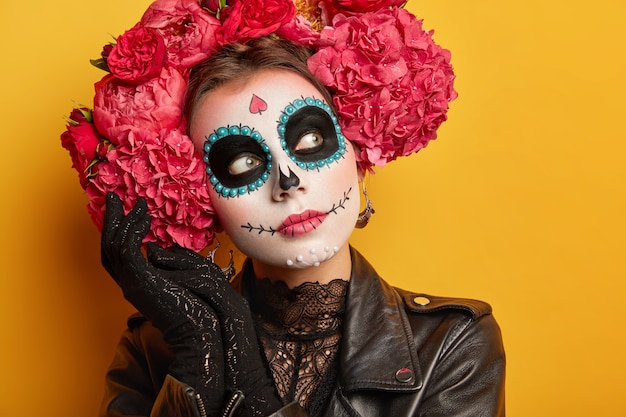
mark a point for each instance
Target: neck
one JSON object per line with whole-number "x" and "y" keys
{"x": 339, "y": 266}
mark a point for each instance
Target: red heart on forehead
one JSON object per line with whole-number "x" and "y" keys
{"x": 257, "y": 105}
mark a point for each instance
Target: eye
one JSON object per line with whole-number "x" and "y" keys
{"x": 244, "y": 163}
{"x": 309, "y": 135}
{"x": 309, "y": 143}
{"x": 237, "y": 163}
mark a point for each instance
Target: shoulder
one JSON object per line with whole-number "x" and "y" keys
{"x": 414, "y": 302}
{"x": 454, "y": 322}
{"x": 421, "y": 303}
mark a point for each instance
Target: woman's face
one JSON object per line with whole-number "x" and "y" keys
{"x": 282, "y": 178}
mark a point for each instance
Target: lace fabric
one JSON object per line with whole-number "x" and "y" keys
{"x": 300, "y": 332}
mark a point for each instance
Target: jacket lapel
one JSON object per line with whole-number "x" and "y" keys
{"x": 378, "y": 351}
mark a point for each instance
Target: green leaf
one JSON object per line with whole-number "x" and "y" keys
{"x": 100, "y": 63}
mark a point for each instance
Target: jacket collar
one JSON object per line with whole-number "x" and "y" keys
{"x": 377, "y": 350}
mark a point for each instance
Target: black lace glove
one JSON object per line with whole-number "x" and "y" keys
{"x": 245, "y": 367}
{"x": 189, "y": 324}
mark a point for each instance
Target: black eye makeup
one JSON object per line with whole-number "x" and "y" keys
{"x": 310, "y": 134}
{"x": 237, "y": 160}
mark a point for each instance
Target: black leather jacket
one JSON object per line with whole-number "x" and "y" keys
{"x": 402, "y": 354}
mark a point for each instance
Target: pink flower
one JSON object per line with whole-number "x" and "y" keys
{"x": 167, "y": 171}
{"x": 392, "y": 84}
{"x": 154, "y": 105}
{"x": 245, "y": 20}
{"x": 83, "y": 143}
{"x": 188, "y": 30}
{"x": 299, "y": 30}
{"x": 138, "y": 56}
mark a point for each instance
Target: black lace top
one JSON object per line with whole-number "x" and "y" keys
{"x": 300, "y": 331}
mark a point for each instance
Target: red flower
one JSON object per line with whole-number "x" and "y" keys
{"x": 138, "y": 56}
{"x": 299, "y": 30}
{"x": 188, "y": 30}
{"x": 352, "y": 7}
{"x": 245, "y": 20}
{"x": 391, "y": 86}
{"x": 391, "y": 82}
{"x": 153, "y": 106}
{"x": 165, "y": 170}
{"x": 213, "y": 6}
{"x": 106, "y": 51}
{"x": 83, "y": 143}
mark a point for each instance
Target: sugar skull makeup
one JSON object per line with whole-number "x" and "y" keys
{"x": 238, "y": 160}
{"x": 282, "y": 179}
{"x": 310, "y": 134}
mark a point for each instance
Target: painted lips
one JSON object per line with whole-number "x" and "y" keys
{"x": 302, "y": 223}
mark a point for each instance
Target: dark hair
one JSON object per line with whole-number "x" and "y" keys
{"x": 240, "y": 61}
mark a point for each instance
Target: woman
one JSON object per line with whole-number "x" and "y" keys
{"x": 311, "y": 329}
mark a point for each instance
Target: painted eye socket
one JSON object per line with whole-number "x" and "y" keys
{"x": 244, "y": 163}
{"x": 310, "y": 134}
{"x": 309, "y": 143}
{"x": 237, "y": 160}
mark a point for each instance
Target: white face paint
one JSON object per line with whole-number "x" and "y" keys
{"x": 283, "y": 181}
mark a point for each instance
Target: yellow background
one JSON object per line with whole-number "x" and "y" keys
{"x": 520, "y": 201}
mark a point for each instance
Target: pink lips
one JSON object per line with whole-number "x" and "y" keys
{"x": 303, "y": 223}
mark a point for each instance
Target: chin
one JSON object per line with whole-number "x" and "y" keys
{"x": 311, "y": 256}
{"x": 296, "y": 256}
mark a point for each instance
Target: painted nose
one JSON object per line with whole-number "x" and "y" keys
{"x": 286, "y": 182}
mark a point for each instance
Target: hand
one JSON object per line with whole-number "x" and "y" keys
{"x": 189, "y": 324}
{"x": 245, "y": 366}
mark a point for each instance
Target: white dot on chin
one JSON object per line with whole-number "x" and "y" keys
{"x": 289, "y": 262}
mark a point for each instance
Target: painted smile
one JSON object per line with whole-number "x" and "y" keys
{"x": 302, "y": 223}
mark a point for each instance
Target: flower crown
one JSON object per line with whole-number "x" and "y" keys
{"x": 390, "y": 83}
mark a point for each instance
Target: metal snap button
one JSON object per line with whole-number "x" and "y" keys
{"x": 404, "y": 375}
{"x": 422, "y": 301}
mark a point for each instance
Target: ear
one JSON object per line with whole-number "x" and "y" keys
{"x": 361, "y": 172}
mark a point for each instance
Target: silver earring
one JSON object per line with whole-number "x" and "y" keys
{"x": 228, "y": 270}
{"x": 368, "y": 211}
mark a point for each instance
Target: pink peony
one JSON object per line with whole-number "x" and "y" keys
{"x": 188, "y": 30}
{"x": 138, "y": 56}
{"x": 392, "y": 84}
{"x": 167, "y": 171}
{"x": 245, "y": 20}
{"x": 154, "y": 105}
{"x": 299, "y": 30}
{"x": 391, "y": 87}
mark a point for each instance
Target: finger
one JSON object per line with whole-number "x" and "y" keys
{"x": 191, "y": 254}
{"x": 113, "y": 215}
{"x": 175, "y": 259}
{"x": 218, "y": 292}
{"x": 131, "y": 232}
